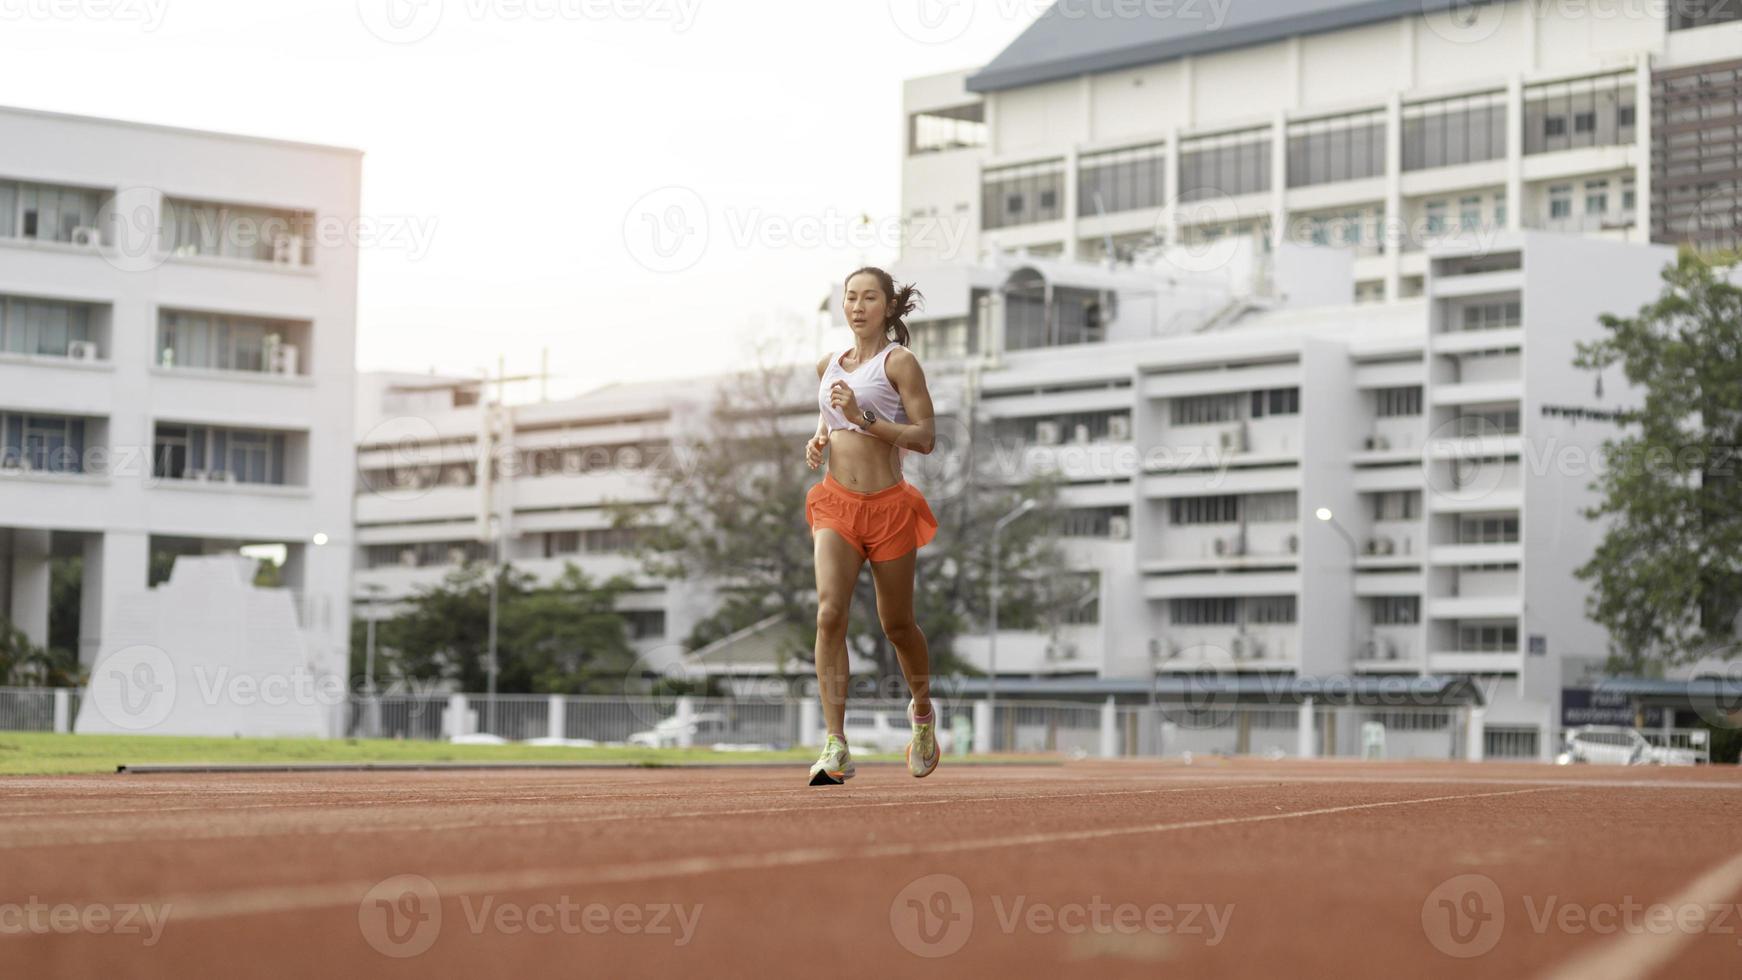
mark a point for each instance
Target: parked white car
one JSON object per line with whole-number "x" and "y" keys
{"x": 706, "y": 728}
{"x": 1616, "y": 745}
{"x": 885, "y": 731}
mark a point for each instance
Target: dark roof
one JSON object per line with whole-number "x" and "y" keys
{"x": 1070, "y": 39}
{"x": 1399, "y": 690}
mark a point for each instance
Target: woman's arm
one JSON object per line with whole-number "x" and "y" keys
{"x": 908, "y": 377}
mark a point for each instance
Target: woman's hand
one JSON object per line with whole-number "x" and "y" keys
{"x": 813, "y": 450}
{"x": 841, "y": 397}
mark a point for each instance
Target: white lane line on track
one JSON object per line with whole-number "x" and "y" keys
{"x": 1636, "y": 955}
{"x": 261, "y": 901}
{"x": 82, "y": 839}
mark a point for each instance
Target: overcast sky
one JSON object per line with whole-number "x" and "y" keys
{"x": 535, "y": 143}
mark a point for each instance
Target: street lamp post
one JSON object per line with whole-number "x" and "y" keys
{"x": 1324, "y": 514}
{"x": 992, "y": 636}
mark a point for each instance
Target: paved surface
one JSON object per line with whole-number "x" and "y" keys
{"x": 1247, "y": 868}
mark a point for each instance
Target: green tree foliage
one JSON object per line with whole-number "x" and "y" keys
{"x": 561, "y": 638}
{"x": 1667, "y": 576}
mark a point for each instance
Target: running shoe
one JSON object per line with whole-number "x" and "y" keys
{"x": 835, "y": 765}
{"x": 922, "y": 750}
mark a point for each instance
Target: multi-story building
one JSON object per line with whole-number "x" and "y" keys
{"x": 1287, "y": 486}
{"x": 449, "y": 475}
{"x": 1349, "y": 122}
{"x": 1438, "y": 426}
{"x": 177, "y": 345}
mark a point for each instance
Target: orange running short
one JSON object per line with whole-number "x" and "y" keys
{"x": 880, "y": 525}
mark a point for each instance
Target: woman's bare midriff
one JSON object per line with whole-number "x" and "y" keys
{"x": 861, "y": 462}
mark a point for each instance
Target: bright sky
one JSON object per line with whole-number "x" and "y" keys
{"x": 525, "y": 137}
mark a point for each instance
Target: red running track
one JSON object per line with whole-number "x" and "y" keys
{"x": 1244, "y": 868}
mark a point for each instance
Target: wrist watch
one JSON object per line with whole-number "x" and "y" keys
{"x": 870, "y": 417}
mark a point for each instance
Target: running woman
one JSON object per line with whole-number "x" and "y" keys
{"x": 874, "y": 405}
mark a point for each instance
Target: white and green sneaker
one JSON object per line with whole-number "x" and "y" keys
{"x": 835, "y": 765}
{"x": 922, "y": 749}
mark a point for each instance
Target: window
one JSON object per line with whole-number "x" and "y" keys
{"x": 1627, "y": 199}
{"x": 1397, "y": 505}
{"x": 953, "y": 128}
{"x": 1121, "y": 180}
{"x": 1491, "y": 316}
{"x": 238, "y": 232}
{"x": 1560, "y": 201}
{"x": 1275, "y": 401}
{"x": 1022, "y": 194}
{"x": 1446, "y": 132}
{"x": 1596, "y": 197}
{"x": 46, "y": 443}
{"x": 218, "y": 342}
{"x": 1497, "y": 421}
{"x": 1436, "y": 217}
{"x": 1205, "y": 409}
{"x": 46, "y": 212}
{"x": 1701, "y": 13}
{"x": 1488, "y": 530}
{"x": 1087, "y": 522}
{"x": 1470, "y": 212}
{"x": 1203, "y": 612}
{"x": 1229, "y": 163}
{"x": 1222, "y": 509}
{"x": 202, "y": 452}
{"x": 1396, "y": 610}
{"x": 1271, "y": 508}
{"x": 1578, "y": 113}
{"x": 1487, "y": 638}
{"x": 1270, "y": 609}
{"x": 41, "y": 327}
{"x": 1323, "y": 151}
{"x": 1396, "y": 402}
{"x": 1500, "y": 210}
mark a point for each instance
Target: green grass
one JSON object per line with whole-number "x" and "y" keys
{"x": 40, "y": 753}
{"x": 45, "y": 754}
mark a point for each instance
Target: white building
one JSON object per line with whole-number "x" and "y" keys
{"x": 177, "y": 326}
{"x": 1379, "y": 126}
{"x": 1436, "y": 144}
{"x": 443, "y": 471}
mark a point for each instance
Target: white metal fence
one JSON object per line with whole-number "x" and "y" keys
{"x": 1069, "y": 728}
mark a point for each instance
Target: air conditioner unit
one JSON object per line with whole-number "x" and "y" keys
{"x": 1254, "y": 649}
{"x": 1388, "y": 649}
{"x": 1119, "y": 527}
{"x": 283, "y": 359}
{"x": 1381, "y": 546}
{"x": 1081, "y": 433}
{"x": 287, "y": 250}
{"x": 408, "y": 557}
{"x": 1378, "y": 443}
{"x": 1230, "y": 547}
{"x": 1233, "y": 441}
{"x": 84, "y": 236}
{"x": 1294, "y": 544}
{"x": 1119, "y": 428}
{"x": 1237, "y": 646}
{"x": 1047, "y": 433}
{"x": 82, "y": 350}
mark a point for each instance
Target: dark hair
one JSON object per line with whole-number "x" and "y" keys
{"x": 901, "y": 301}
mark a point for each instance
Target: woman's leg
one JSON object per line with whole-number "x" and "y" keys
{"x": 894, "y": 581}
{"x": 838, "y": 566}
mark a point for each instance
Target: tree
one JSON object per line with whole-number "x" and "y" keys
{"x": 732, "y": 516}
{"x": 561, "y": 638}
{"x": 24, "y": 664}
{"x": 1667, "y": 574}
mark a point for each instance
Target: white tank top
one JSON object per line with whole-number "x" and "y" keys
{"x": 871, "y": 386}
